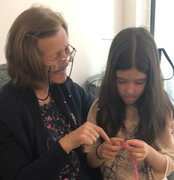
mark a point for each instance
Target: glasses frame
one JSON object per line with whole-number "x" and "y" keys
{"x": 71, "y": 58}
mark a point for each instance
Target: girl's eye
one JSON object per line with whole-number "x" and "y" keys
{"x": 140, "y": 82}
{"x": 121, "y": 81}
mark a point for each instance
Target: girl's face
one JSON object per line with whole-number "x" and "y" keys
{"x": 130, "y": 84}
{"x": 55, "y": 48}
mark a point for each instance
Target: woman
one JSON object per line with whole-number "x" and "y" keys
{"x": 135, "y": 112}
{"x": 41, "y": 109}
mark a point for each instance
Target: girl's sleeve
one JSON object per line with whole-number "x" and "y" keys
{"x": 92, "y": 118}
{"x": 165, "y": 145}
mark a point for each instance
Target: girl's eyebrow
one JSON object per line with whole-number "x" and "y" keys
{"x": 140, "y": 79}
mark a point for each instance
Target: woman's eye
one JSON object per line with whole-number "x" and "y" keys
{"x": 67, "y": 50}
{"x": 57, "y": 56}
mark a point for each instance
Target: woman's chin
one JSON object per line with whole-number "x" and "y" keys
{"x": 59, "y": 78}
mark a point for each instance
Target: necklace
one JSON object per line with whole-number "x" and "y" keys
{"x": 43, "y": 99}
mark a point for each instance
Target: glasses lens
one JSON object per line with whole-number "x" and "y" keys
{"x": 71, "y": 54}
{"x": 70, "y": 60}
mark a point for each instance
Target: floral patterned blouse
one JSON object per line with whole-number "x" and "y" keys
{"x": 56, "y": 127}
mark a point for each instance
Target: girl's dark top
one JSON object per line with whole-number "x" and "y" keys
{"x": 28, "y": 149}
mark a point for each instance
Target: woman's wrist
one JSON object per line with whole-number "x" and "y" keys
{"x": 66, "y": 144}
{"x": 97, "y": 150}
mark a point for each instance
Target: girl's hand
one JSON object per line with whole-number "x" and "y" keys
{"x": 138, "y": 149}
{"x": 109, "y": 150}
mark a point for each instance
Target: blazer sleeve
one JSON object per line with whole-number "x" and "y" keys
{"x": 20, "y": 157}
{"x": 82, "y": 99}
{"x": 17, "y": 164}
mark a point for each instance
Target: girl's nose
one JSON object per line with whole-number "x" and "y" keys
{"x": 130, "y": 89}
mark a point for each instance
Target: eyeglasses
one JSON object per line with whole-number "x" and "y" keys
{"x": 70, "y": 58}
{"x": 58, "y": 66}
{"x": 71, "y": 51}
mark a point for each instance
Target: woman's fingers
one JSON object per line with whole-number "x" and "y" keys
{"x": 101, "y": 132}
{"x": 87, "y": 134}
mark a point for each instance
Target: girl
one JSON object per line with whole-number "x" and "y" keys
{"x": 135, "y": 112}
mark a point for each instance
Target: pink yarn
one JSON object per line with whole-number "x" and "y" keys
{"x": 135, "y": 167}
{"x": 124, "y": 144}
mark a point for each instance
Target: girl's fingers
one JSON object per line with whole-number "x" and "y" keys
{"x": 109, "y": 154}
{"x": 135, "y": 143}
{"x": 116, "y": 140}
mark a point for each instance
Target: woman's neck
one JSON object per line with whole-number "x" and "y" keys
{"x": 43, "y": 95}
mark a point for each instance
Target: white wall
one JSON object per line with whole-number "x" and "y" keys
{"x": 92, "y": 26}
{"x": 129, "y": 17}
{"x": 164, "y": 29}
{"x": 136, "y": 13}
{"x": 143, "y": 8}
{"x": 90, "y": 23}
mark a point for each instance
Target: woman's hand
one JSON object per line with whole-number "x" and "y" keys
{"x": 138, "y": 149}
{"x": 86, "y": 134}
{"x": 110, "y": 149}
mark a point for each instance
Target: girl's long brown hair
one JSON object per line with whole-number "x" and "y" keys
{"x": 153, "y": 104}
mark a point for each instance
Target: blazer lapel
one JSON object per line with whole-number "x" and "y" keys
{"x": 31, "y": 102}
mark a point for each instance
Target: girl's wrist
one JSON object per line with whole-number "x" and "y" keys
{"x": 149, "y": 151}
{"x": 97, "y": 154}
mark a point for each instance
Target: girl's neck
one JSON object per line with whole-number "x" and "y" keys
{"x": 130, "y": 111}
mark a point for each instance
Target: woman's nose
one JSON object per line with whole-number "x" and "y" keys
{"x": 63, "y": 55}
{"x": 63, "y": 61}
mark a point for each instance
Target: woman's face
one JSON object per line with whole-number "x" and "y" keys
{"x": 55, "y": 49}
{"x": 130, "y": 84}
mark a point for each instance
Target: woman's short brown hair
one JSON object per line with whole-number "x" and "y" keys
{"x": 24, "y": 58}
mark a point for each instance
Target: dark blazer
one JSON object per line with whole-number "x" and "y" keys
{"x": 23, "y": 151}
